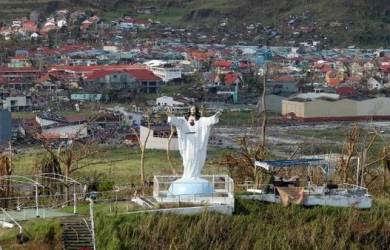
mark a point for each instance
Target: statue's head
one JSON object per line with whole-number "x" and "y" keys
{"x": 193, "y": 112}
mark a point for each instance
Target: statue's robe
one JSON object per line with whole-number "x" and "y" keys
{"x": 193, "y": 142}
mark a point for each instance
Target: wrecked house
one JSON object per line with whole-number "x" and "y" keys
{"x": 55, "y": 127}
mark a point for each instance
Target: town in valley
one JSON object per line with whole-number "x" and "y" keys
{"x": 190, "y": 125}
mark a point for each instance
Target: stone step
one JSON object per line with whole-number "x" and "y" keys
{"x": 76, "y": 234}
{"x": 85, "y": 230}
{"x": 77, "y": 238}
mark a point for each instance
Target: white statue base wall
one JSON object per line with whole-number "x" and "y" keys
{"x": 207, "y": 190}
{"x": 191, "y": 187}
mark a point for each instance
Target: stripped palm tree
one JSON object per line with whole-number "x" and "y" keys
{"x": 5, "y": 170}
{"x": 48, "y": 165}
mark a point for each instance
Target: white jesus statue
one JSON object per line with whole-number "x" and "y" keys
{"x": 193, "y": 134}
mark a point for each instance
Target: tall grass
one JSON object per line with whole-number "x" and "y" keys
{"x": 254, "y": 226}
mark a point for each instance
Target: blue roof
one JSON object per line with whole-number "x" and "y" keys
{"x": 277, "y": 164}
{"x": 292, "y": 163}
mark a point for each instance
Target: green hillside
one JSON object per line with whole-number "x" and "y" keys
{"x": 343, "y": 22}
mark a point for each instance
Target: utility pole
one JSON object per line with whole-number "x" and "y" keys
{"x": 264, "y": 110}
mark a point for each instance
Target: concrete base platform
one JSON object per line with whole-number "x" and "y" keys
{"x": 191, "y": 187}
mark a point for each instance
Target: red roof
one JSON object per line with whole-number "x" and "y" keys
{"x": 19, "y": 70}
{"x": 244, "y": 65}
{"x": 19, "y": 57}
{"x": 346, "y": 91}
{"x": 222, "y": 64}
{"x": 231, "y": 78}
{"x": 354, "y": 79}
{"x": 2, "y": 81}
{"x": 144, "y": 75}
{"x": 139, "y": 74}
{"x": 200, "y": 55}
{"x": 30, "y": 26}
{"x": 30, "y": 123}
{"x": 44, "y": 78}
{"x": 141, "y": 22}
{"x": 385, "y": 67}
{"x": 326, "y": 68}
{"x": 75, "y": 118}
{"x": 91, "y": 69}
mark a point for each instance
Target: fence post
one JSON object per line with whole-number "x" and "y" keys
{"x": 92, "y": 222}
{"x": 74, "y": 199}
{"x": 36, "y": 201}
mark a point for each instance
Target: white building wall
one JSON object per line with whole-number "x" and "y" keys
{"x": 345, "y": 107}
{"x": 298, "y": 108}
{"x": 376, "y": 106}
{"x": 167, "y": 101}
{"x": 44, "y": 122}
{"x": 157, "y": 142}
{"x": 19, "y": 101}
{"x": 322, "y": 108}
{"x": 167, "y": 74}
{"x": 273, "y": 103}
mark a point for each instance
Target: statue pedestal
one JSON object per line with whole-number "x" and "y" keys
{"x": 207, "y": 190}
{"x": 191, "y": 187}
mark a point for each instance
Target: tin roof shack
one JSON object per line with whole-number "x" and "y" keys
{"x": 159, "y": 137}
{"x": 5, "y": 127}
{"x": 54, "y": 127}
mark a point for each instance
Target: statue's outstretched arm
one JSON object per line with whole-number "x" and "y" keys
{"x": 215, "y": 118}
{"x": 172, "y": 119}
{"x": 219, "y": 113}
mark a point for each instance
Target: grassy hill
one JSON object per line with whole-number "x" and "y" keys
{"x": 255, "y": 225}
{"x": 343, "y": 22}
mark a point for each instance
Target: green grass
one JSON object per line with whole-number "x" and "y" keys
{"x": 124, "y": 166}
{"x": 171, "y": 15}
{"x": 113, "y": 14}
{"x": 220, "y": 5}
{"x": 237, "y": 118}
{"x": 43, "y": 234}
{"x": 105, "y": 208}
